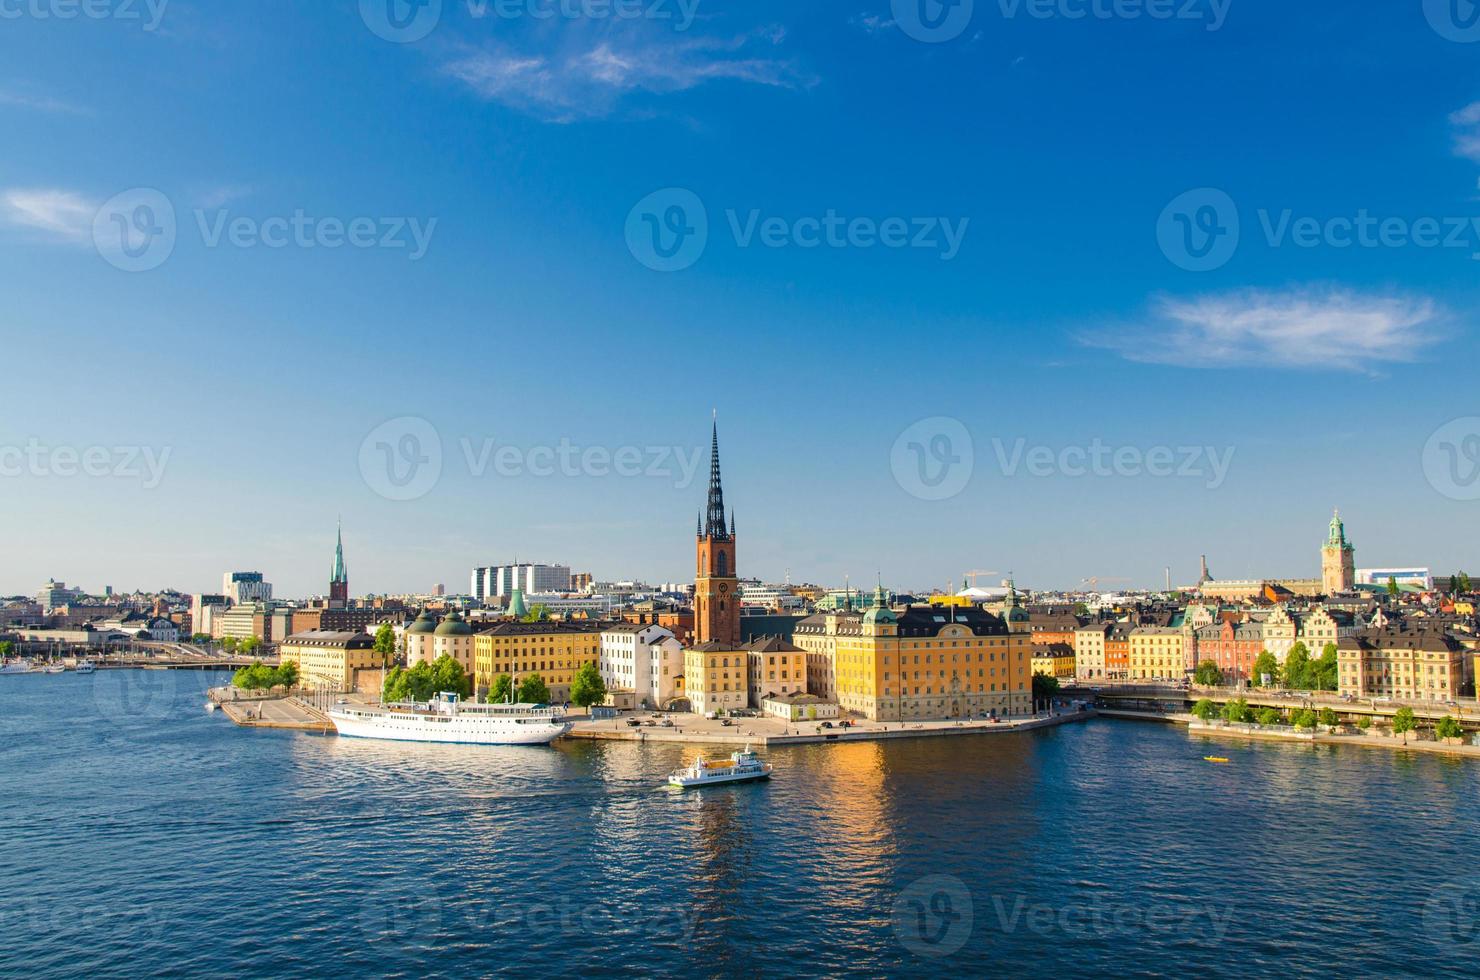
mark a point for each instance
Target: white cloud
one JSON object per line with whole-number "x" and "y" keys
{"x": 871, "y": 23}
{"x": 1466, "y": 123}
{"x": 41, "y": 103}
{"x": 61, "y": 214}
{"x": 1310, "y": 329}
{"x": 590, "y": 80}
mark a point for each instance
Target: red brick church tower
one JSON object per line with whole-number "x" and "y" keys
{"x": 716, "y": 585}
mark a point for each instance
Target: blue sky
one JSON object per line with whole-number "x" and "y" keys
{"x": 1058, "y": 149}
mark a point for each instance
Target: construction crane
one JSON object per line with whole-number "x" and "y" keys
{"x": 974, "y": 575}
{"x": 1094, "y": 581}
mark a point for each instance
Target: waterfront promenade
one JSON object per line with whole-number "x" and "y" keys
{"x": 1284, "y": 733}
{"x": 769, "y": 731}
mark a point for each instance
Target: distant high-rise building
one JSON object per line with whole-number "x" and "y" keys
{"x": 439, "y": 589}
{"x": 498, "y": 581}
{"x": 242, "y": 587}
{"x": 54, "y": 594}
{"x": 338, "y": 577}
{"x": 1338, "y": 559}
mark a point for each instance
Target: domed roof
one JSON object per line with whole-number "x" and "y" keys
{"x": 454, "y": 625}
{"x": 424, "y": 624}
{"x": 1017, "y": 614}
{"x": 879, "y": 614}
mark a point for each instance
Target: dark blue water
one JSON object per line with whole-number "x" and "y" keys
{"x": 143, "y": 836}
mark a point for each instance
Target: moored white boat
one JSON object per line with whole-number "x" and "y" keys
{"x": 56, "y": 668}
{"x": 16, "y": 667}
{"x": 446, "y": 718}
{"x": 86, "y": 667}
{"x": 741, "y": 767}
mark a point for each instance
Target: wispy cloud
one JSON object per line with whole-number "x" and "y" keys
{"x": 63, "y": 215}
{"x": 871, "y": 23}
{"x": 1466, "y": 123}
{"x": 1307, "y": 329}
{"x": 592, "y": 80}
{"x": 18, "y": 99}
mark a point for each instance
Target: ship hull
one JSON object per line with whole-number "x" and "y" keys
{"x": 719, "y": 780}
{"x": 454, "y": 732}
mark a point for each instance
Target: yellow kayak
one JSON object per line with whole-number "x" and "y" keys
{"x": 1214, "y": 758}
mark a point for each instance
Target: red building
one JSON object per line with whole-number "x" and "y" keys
{"x": 716, "y": 584}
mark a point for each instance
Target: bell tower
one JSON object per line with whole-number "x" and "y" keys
{"x": 1338, "y": 559}
{"x": 716, "y": 583}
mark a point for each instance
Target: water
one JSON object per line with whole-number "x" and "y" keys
{"x": 144, "y": 836}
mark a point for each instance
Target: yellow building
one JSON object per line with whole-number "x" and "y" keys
{"x": 328, "y": 659}
{"x": 775, "y": 668}
{"x": 554, "y": 651}
{"x": 1054, "y": 660}
{"x": 716, "y": 678}
{"x": 1406, "y": 664}
{"x": 1158, "y": 653}
{"x": 923, "y": 662}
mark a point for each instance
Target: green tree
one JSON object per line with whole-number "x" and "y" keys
{"x": 1266, "y": 665}
{"x": 248, "y": 646}
{"x": 1237, "y": 710}
{"x": 1045, "y": 686}
{"x": 587, "y": 687}
{"x": 1328, "y": 718}
{"x": 1323, "y": 670}
{"x": 1404, "y": 722}
{"x": 1448, "y": 727}
{"x": 1204, "y": 709}
{"x": 286, "y": 675}
{"x": 448, "y": 675}
{"x": 385, "y": 642}
{"x": 228, "y": 643}
{"x": 502, "y": 690}
{"x": 1297, "y": 667}
{"x": 1364, "y": 722}
{"x": 532, "y": 690}
{"x": 200, "y": 638}
{"x": 394, "y": 688}
{"x": 1208, "y": 674}
{"x": 538, "y": 613}
{"x": 6, "y": 648}
{"x": 1464, "y": 583}
{"x": 1269, "y": 716}
{"x": 420, "y": 684}
{"x": 1303, "y": 718}
{"x": 1392, "y": 586}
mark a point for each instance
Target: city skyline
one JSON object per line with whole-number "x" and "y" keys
{"x": 236, "y": 390}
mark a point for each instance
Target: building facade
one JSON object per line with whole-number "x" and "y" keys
{"x": 329, "y": 660}
{"x": 553, "y": 650}
{"x": 1415, "y": 664}
{"x": 1157, "y": 653}
{"x": 1338, "y": 559}
{"x": 775, "y": 668}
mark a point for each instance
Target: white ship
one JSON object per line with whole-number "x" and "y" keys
{"x": 16, "y": 667}
{"x": 742, "y": 767}
{"x": 86, "y": 667}
{"x": 448, "y": 719}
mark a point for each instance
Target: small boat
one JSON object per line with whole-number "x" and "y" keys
{"x": 741, "y": 767}
{"x": 86, "y": 667}
{"x": 56, "y": 668}
{"x": 1214, "y": 758}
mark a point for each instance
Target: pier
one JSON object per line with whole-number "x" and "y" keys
{"x": 770, "y": 731}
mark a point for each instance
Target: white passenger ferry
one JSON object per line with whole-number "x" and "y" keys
{"x": 446, "y": 718}
{"x": 742, "y": 767}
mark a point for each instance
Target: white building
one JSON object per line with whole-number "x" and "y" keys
{"x": 497, "y": 581}
{"x": 243, "y": 587}
{"x": 800, "y": 707}
{"x": 1407, "y": 575}
{"x": 642, "y": 658}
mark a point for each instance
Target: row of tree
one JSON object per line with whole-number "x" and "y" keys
{"x": 423, "y": 681}
{"x": 1299, "y": 672}
{"x": 260, "y": 677}
{"x": 1238, "y": 711}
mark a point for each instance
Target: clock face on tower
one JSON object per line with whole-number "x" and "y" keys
{"x": 723, "y": 589}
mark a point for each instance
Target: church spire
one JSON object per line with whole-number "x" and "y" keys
{"x": 338, "y": 574}
{"x": 714, "y": 524}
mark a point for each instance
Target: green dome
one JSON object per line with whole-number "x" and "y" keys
{"x": 1017, "y": 614}
{"x": 424, "y": 624}
{"x": 879, "y": 614}
{"x": 454, "y": 625}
